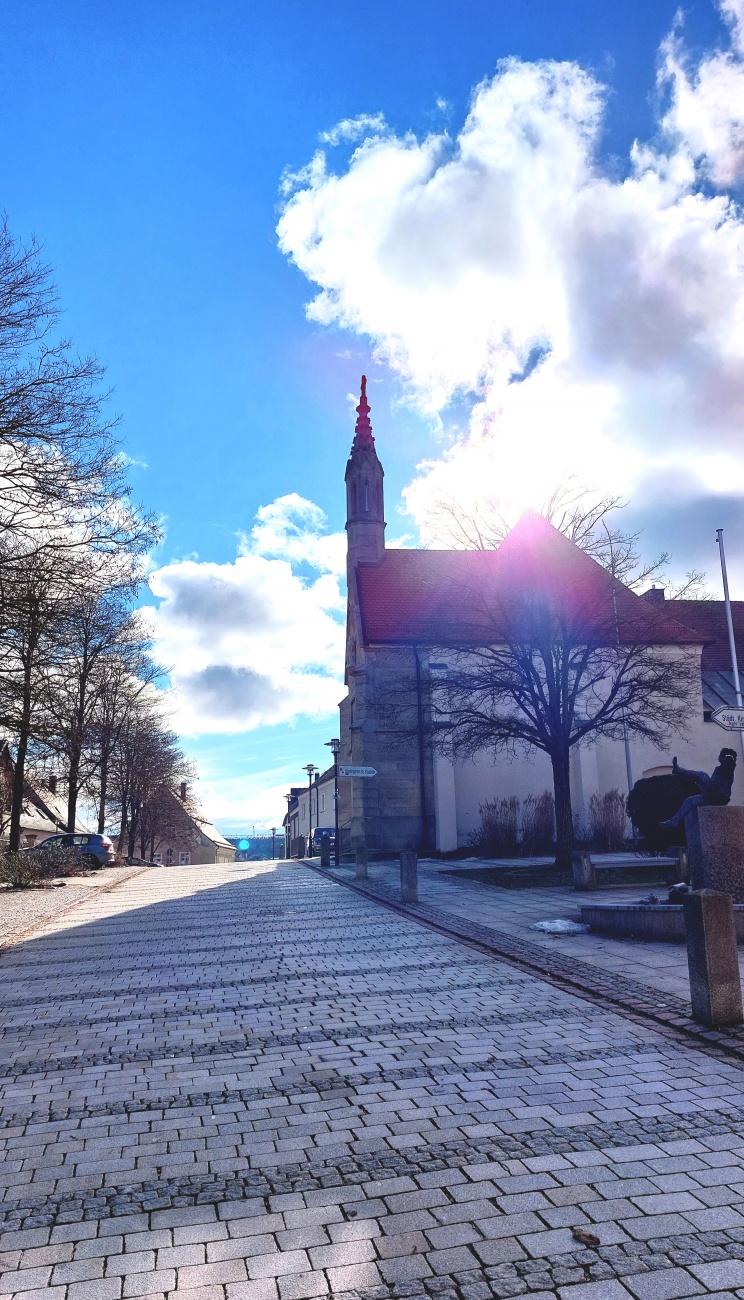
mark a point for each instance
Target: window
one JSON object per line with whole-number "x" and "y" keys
{"x": 322, "y": 803}
{"x": 184, "y": 859}
{"x": 302, "y": 813}
{"x": 169, "y": 857}
{"x": 157, "y": 859}
{"x": 81, "y": 839}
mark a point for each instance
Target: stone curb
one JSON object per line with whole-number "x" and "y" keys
{"x": 642, "y": 1006}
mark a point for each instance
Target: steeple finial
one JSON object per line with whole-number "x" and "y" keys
{"x": 363, "y": 429}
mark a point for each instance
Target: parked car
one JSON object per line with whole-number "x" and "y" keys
{"x": 319, "y": 833}
{"x": 93, "y": 851}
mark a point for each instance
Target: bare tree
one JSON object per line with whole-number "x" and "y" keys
{"x": 97, "y": 632}
{"x": 586, "y": 519}
{"x": 62, "y": 477}
{"x": 552, "y": 666}
{"x": 35, "y": 597}
{"x": 147, "y": 757}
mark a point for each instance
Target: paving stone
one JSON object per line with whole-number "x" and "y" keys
{"x": 269, "y": 1088}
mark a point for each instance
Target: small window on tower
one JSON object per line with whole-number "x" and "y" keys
{"x": 366, "y": 496}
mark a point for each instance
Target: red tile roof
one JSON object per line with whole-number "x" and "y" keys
{"x": 458, "y": 597}
{"x": 708, "y": 617}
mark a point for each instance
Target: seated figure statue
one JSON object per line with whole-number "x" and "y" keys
{"x": 715, "y": 790}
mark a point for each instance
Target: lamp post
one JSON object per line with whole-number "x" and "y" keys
{"x": 334, "y": 746}
{"x": 273, "y": 836}
{"x": 310, "y": 768}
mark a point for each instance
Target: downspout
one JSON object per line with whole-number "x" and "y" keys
{"x": 420, "y": 728}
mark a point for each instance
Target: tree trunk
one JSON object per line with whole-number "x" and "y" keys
{"x": 104, "y": 791}
{"x": 19, "y": 773}
{"x": 73, "y": 786}
{"x": 16, "y": 803}
{"x": 563, "y": 812}
{"x": 123, "y": 826}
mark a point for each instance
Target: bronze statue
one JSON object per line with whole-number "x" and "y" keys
{"x": 715, "y": 790}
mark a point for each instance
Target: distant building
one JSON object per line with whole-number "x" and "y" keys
{"x": 405, "y": 607}
{"x": 308, "y": 809}
{"x": 185, "y": 837}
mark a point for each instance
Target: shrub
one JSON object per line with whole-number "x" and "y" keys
{"x": 497, "y": 836}
{"x": 607, "y": 820}
{"x": 538, "y": 823}
{"x": 23, "y": 870}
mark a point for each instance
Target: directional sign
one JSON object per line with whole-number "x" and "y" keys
{"x": 357, "y": 771}
{"x": 729, "y": 719}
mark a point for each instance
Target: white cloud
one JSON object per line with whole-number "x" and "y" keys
{"x": 353, "y": 128}
{"x": 468, "y": 259}
{"x": 295, "y": 529}
{"x": 706, "y": 115}
{"x": 252, "y": 642}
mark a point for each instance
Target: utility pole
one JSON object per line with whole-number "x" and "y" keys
{"x": 730, "y": 626}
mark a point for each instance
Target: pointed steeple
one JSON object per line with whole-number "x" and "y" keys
{"x": 363, "y": 429}
{"x": 365, "y": 510}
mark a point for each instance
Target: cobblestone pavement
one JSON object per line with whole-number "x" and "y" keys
{"x": 247, "y": 1083}
{"x": 444, "y": 885}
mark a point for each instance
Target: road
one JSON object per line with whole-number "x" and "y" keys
{"x": 247, "y": 1082}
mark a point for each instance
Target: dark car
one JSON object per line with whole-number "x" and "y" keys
{"x": 319, "y": 833}
{"x": 91, "y": 850}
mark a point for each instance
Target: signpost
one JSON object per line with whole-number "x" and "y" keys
{"x": 730, "y": 719}
{"x": 347, "y": 770}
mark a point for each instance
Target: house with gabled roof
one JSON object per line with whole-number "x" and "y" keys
{"x": 184, "y": 836}
{"x": 406, "y": 608}
{"x": 44, "y": 804}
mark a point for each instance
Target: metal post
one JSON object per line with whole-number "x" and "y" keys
{"x": 310, "y": 768}
{"x": 273, "y": 834}
{"x": 730, "y": 626}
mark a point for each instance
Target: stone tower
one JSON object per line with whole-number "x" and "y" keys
{"x": 365, "y": 508}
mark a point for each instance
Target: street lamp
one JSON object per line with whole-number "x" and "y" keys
{"x": 273, "y": 836}
{"x": 310, "y": 768}
{"x": 334, "y": 746}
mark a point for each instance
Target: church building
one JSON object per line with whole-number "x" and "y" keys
{"x": 405, "y": 607}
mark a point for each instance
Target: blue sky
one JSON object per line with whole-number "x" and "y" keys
{"x": 145, "y": 144}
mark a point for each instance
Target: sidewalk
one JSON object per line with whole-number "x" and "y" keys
{"x": 446, "y": 886}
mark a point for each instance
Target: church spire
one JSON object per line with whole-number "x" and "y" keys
{"x": 365, "y": 512}
{"x": 363, "y": 429}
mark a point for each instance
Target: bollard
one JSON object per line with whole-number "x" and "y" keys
{"x": 715, "y": 987}
{"x": 361, "y": 864}
{"x": 325, "y": 851}
{"x": 409, "y": 876}
{"x": 583, "y": 870}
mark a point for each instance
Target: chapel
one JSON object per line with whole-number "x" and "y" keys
{"x": 407, "y": 607}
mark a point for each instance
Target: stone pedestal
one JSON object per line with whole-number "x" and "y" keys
{"x": 715, "y": 987}
{"x": 583, "y": 871}
{"x": 409, "y": 876}
{"x": 715, "y": 845}
{"x": 361, "y": 864}
{"x": 325, "y": 851}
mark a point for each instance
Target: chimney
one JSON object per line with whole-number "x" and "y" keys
{"x": 183, "y": 791}
{"x": 52, "y": 785}
{"x": 654, "y": 595}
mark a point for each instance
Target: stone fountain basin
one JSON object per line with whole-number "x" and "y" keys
{"x": 663, "y": 921}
